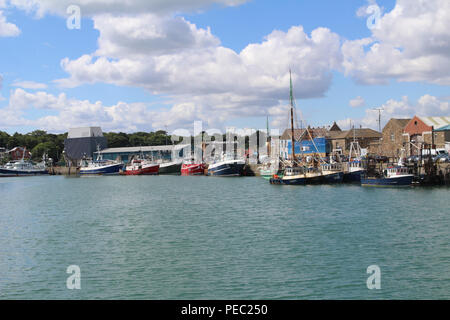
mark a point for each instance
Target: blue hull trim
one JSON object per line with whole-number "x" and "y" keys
{"x": 110, "y": 170}
{"x": 14, "y": 173}
{"x": 227, "y": 170}
{"x": 384, "y": 182}
{"x": 353, "y": 177}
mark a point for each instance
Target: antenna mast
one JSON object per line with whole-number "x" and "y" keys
{"x": 379, "y": 117}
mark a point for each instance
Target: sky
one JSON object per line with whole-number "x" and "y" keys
{"x": 146, "y": 65}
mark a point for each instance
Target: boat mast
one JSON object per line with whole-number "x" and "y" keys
{"x": 292, "y": 119}
{"x": 268, "y": 138}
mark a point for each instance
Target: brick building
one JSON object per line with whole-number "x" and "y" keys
{"x": 425, "y": 131}
{"x": 18, "y": 152}
{"x": 393, "y": 138}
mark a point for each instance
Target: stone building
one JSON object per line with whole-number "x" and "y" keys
{"x": 393, "y": 140}
{"x": 364, "y": 136}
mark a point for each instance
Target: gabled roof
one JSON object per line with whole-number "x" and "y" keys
{"x": 359, "y": 134}
{"x": 335, "y": 128}
{"x": 436, "y": 122}
{"x": 301, "y": 133}
{"x": 400, "y": 122}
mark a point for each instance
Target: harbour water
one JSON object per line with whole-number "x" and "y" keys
{"x": 171, "y": 237}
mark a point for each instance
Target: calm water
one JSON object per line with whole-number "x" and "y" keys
{"x": 169, "y": 237}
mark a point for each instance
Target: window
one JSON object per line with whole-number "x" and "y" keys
{"x": 392, "y": 137}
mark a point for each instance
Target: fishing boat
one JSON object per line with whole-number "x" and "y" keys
{"x": 169, "y": 167}
{"x": 332, "y": 173}
{"x": 355, "y": 170}
{"x": 296, "y": 173}
{"x": 269, "y": 166}
{"x": 226, "y": 166}
{"x": 394, "y": 176}
{"x": 192, "y": 168}
{"x": 355, "y": 166}
{"x": 268, "y": 169}
{"x": 391, "y": 177}
{"x": 23, "y": 167}
{"x": 100, "y": 166}
{"x": 141, "y": 166}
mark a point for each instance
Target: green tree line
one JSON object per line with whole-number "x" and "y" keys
{"x": 38, "y": 142}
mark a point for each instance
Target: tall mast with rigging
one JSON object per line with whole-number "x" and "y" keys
{"x": 292, "y": 119}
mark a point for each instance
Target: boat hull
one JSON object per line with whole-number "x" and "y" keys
{"x": 331, "y": 178}
{"x": 193, "y": 169}
{"x": 146, "y": 171}
{"x": 353, "y": 177}
{"x": 404, "y": 181}
{"x": 103, "y": 170}
{"x": 170, "y": 169}
{"x": 227, "y": 170}
{"x": 19, "y": 173}
{"x": 298, "y": 181}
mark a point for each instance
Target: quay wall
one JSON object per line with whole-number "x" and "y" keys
{"x": 66, "y": 171}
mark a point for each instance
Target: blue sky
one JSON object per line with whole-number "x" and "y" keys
{"x": 35, "y": 55}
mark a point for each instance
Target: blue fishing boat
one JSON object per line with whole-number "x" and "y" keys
{"x": 100, "y": 166}
{"x": 355, "y": 171}
{"x": 392, "y": 177}
{"x": 228, "y": 166}
{"x": 332, "y": 173}
{"x": 355, "y": 166}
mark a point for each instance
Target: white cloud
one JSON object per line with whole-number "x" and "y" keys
{"x": 29, "y": 85}
{"x": 427, "y": 106}
{"x": 357, "y": 102}
{"x": 7, "y": 29}
{"x": 173, "y": 57}
{"x": 412, "y": 43}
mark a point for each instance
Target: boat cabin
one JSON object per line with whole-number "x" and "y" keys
{"x": 396, "y": 171}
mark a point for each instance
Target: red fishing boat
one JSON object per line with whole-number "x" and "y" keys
{"x": 190, "y": 168}
{"x": 141, "y": 167}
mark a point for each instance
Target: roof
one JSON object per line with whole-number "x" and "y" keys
{"x": 299, "y": 133}
{"x": 145, "y": 149}
{"x": 335, "y": 128}
{"x": 445, "y": 128}
{"x": 358, "y": 133}
{"x": 436, "y": 122}
{"x": 85, "y": 132}
{"x": 400, "y": 122}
